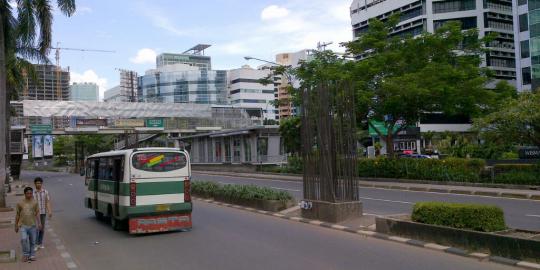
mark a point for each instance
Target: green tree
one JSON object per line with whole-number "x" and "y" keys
{"x": 403, "y": 77}
{"x": 31, "y": 29}
{"x": 517, "y": 122}
{"x": 290, "y": 132}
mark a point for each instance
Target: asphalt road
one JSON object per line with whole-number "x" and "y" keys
{"x": 520, "y": 214}
{"x": 227, "y": 238}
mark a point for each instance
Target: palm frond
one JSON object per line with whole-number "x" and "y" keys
{"x": 67, "y": 7}
{"x": 26, "y": 27}
{"x": 43, "y": 12}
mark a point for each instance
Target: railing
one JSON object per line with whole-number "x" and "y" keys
{"x": 499, "y": 7}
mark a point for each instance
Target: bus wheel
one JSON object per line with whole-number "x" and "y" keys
{"x": 116, "y": 224}
{"x": 99, "y": 215}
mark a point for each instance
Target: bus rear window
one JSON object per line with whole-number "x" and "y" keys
{"x": 159, "y": 162}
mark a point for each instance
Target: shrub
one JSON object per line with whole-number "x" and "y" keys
{"x": 475, "y": 217}
{"x": 243, "y": 192}
{"x": 518, "y": 178}
{"x": 204, "y": 189}
{"x": 453, "y": 169}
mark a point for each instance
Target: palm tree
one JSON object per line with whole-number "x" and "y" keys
{"x": 21, "y": 38}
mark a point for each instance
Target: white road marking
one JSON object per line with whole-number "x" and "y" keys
{"x": 293, "y": 190}
{"x": 427, "y": 192}
{"x": 538, "y": 216}
{"x": 373, "y": 199}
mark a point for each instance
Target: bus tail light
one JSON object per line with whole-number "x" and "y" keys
{"x": 132, "y": 194}
{"x": 187, "y": 190}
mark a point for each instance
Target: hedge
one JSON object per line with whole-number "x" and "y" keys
{"x": 475, "y": 217}
{"x": 519, "y": 174}
{"x": 453, "y": 169}
{"x": 244, "y": 192}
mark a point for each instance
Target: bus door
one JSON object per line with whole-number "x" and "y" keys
{"x": 95, "y": 169}
{"x": 118, "y": 177}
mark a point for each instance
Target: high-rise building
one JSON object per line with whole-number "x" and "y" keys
{"x": 128, "y": 85}
{"x": 84, "y": 92}
{"x": 417, "y": 16}
{"x": 184, "y": 78}
{"x": 285, "y": 108}
{"x": 52, "y": 84}
{"x": 247, "y": 91}
{"x": 182, "y": 83}
{"x": 527, "y": 43}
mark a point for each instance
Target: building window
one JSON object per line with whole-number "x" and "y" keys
{"x": 466, "y": 23}
{"x": 525, "y": 49}
{"x": 453, "y": 6}
{"x": 526, "y": 74}
{"x": 522, "y": 2}
{"x": 523, "y": 23}
{"x": 534, "y": 4}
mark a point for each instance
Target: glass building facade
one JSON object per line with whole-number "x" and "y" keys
{"x": 183, "y": 86}
{"x": 534, "y": 43}
{"x": 200, "y": 61}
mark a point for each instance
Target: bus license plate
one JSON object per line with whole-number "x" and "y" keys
{"x": 163, "y": 207}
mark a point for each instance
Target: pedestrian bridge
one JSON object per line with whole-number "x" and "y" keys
{"x": 80, "y": 117}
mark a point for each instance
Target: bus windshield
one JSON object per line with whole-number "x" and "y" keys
{"x": 159, "y": 161}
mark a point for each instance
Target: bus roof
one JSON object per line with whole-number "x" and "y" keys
{"x": 129, "y": 151}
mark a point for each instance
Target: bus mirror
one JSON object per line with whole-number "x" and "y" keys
{"x": 82, "y": 172}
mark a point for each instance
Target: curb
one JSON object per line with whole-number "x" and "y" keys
{"x": 388, "y": 185}
{"x": 397, "y": 239}
{"x": 9, "y": 259}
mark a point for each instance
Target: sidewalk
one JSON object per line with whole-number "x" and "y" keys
{"x": 48, "y": 258}
{"x": 464, "y": 190}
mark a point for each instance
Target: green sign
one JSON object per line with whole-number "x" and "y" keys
{"x": 41, "y": 129}
{"x": 155, "y": 123}
{"x": 380, "y": 127}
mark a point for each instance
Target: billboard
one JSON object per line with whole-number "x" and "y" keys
{"x": 91, "y": 122}
{"x": 129, "y": 123}
{"x": 48, "y": 145}
{"x": 37, "y": 146}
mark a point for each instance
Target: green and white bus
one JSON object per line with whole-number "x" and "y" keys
{"x": 147, "y": 188}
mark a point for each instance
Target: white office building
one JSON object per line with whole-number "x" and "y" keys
{"x": 116, "y": 94}
{"x": 246, "y": 90}
{"x": 527, "y": 42}
{"x": 418, "y": 16}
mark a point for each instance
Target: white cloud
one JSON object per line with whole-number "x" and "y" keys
{"x": 83, "y": 10}
{"x": 298, "y": 25}
{"x": 91, "y": 77}
{"x": 274, "y": 12}
{"x": 144, "y": 56}
{"x": 160, "y": 19}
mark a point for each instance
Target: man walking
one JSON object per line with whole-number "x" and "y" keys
{"x": 44, "y": 203}
{"x": 26, "y": 221}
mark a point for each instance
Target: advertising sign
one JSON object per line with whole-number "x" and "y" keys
{"x": 91, "y": 123}
{"x": 529, "y": 153}
{"x": 37, "y": 146}
{"x": 129, "y": 123}
{"x": 41, "y": 129}
{"x": 48, "y": 145}
{"x": 155, "y": 123}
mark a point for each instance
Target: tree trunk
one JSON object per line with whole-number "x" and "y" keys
{"x": 389, "y": 139}
{"x": 3, "y": 96}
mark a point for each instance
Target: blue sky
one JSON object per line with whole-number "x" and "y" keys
{"x": 139, "y": 29}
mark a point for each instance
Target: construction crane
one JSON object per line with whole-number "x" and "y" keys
{"x": 59, "y": 69}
